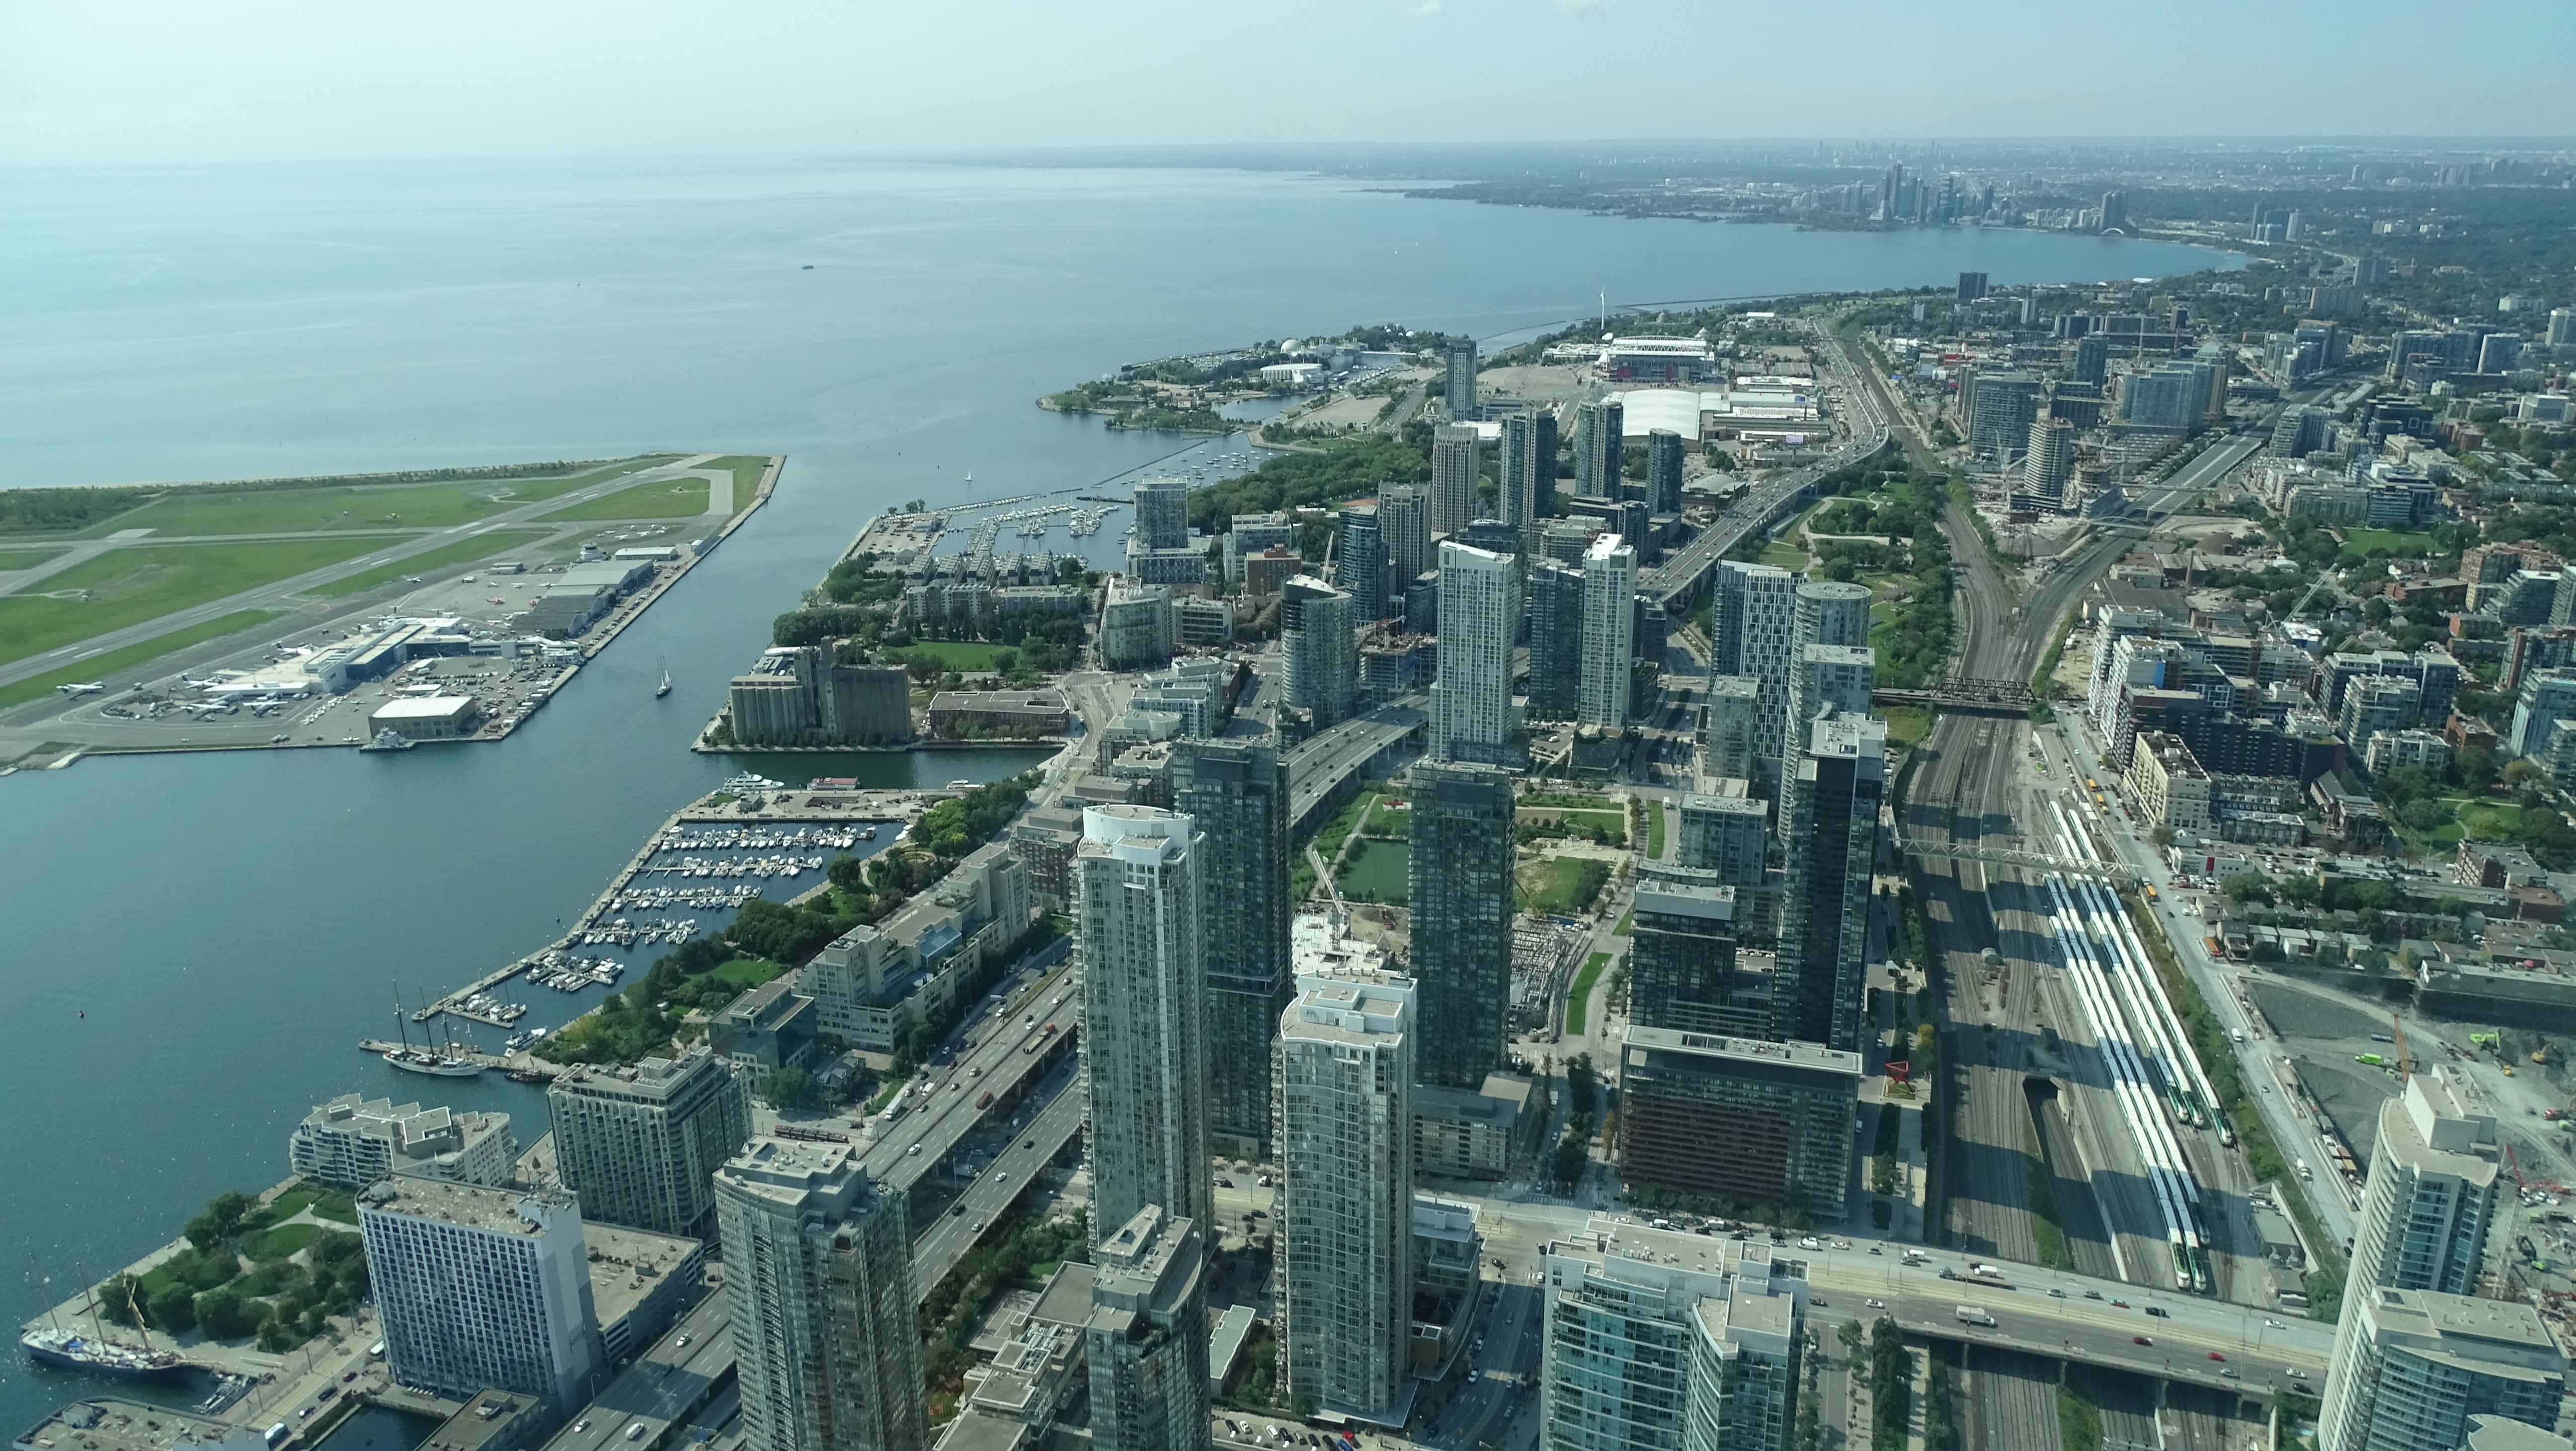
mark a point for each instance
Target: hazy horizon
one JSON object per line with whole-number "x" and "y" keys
{"x": 159, "y": 81}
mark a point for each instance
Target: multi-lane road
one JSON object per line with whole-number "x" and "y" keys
{"x": 1682, "y": 572}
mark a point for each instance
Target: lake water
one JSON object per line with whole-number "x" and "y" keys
{"x": 194, "y": 944}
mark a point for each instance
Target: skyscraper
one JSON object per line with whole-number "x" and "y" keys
{"x": 1163, "y": 513}
{"x": 641, "y": 1144}
{"x": 1664, "y": 450}
{"x": 1471, "y": 700}
{"x": 1147, "y": 1338}
{"x": 2092, "y": 359}
{"x": 1462, "y": 379}
{"x": 1599, "y": 457}
{"x": 1681, "y": 960}
{"x": 2000, "y": 413}
{"x": 1727, "y": 734}
{"x": 1144, "y": 1000}
{"x": 1609, "y": 633}
{"x": 1821, "y": 612}
{"x": 2115, "y": 211}
{"x": 1345, "y": 1211}
{"x": 1756, "y": 614}
{"x": 818, "y": 1267}
{"x": 2411, "y": 1367}
{"x": 2050, "y": 465}
{"x": 1317, "y": 625}
{"x": 1455, "y": 460}
{"x": 1646, "y": 1357}
{"x": 481, "y": 1286}
{"x": 1359, "y": 561}
{"x": 1555, "y": 640}
{"x": 1972, "y": 285}
{"x": 1460, "y": 881}
{"x": 1236, "y": 793}
{"x": 1832, "y": 845}
{"x": 1529, "y": 472}
{"x": 1404, "y": 522}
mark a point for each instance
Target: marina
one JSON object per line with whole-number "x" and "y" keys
{"x": 705, "y": 860}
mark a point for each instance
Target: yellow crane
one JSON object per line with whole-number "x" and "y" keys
{"x": 2405, "y": 1069}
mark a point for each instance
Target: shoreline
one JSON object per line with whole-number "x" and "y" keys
{"x": 589, "y": 647}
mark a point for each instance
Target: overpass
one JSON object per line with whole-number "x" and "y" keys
{"x": 1325, "y": 770}
{"x": 1963, "y": 694}
{"x": 2055, "y": 1313}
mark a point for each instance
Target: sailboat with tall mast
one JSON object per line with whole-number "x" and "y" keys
{"x": 423, "y": 1059}
{"x": 95, "y": 1354}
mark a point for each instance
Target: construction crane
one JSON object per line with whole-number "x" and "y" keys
{"x": 2405, "y": 1068}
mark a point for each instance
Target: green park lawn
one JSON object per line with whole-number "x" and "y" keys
{"x": 1578, "y": 1000}
{"x": 1394, "y": 822}
{"x": 1377, "y": 871}
{"x": 745, "y": 973}
{"x": 463, "y": 551}
{"x": 1560, "y": 885}
{"x": 662, "y": 499}
{"x": 1907, "y": 725}
{"x": 958, "y": 655}
{"x": 1781, "y": 554}
{"x": 1654, "y": 828}
{"x": 109, "y": 662}
{"x": 2358, "y": 544}
{"x": 141, "y": 583}
{"x": 349, "y": 506}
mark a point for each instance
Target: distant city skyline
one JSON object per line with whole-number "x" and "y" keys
{"x": 147, "y": 81}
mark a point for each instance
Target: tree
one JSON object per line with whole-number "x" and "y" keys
{"x": 2162, "y": 836}
{"x": 225, "y": 1315}
{"x": 2244, "y": 887}
{"x": 2477, "y": 767}
{"x": 791, "y": 1089}
{"x": 173, "y": 1310}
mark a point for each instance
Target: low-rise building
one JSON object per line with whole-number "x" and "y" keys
{"x": 640, "y": 1282}
{"x": 2424, "y": 750}
{"x": 2167, "y": 784}
{"x": 426, "y": 717}
{"x": 352, "y": 1141}
{"x": 1481, "y": 1134}
{"x": 766, "y": 1029}
{"x": 967, "y": 714}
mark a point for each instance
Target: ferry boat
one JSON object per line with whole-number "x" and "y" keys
{"x": 751, "y": 781}
{"x": 389, "y": 739}
{"x": 68, "y": 1350}
{"x": 664, "y": 688}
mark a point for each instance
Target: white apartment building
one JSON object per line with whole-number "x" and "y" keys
{"x": 1609, "y": 633}
{"x": 480, "y": 1287}
{"x": 1144, "y": 996}
{"x": 1471, "y": 700}
{"x": 1345, "y": 1069}
{"x": 353, "y": 1141}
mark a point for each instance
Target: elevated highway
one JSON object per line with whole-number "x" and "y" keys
{"x": 1326, "y": 769}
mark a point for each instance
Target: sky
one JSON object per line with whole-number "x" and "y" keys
{"x": 89, "y": 82}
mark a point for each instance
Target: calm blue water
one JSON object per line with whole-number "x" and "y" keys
{"x": 193, "y": 944}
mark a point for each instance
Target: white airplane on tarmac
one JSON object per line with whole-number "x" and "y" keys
{"x": 83, "y": 688}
